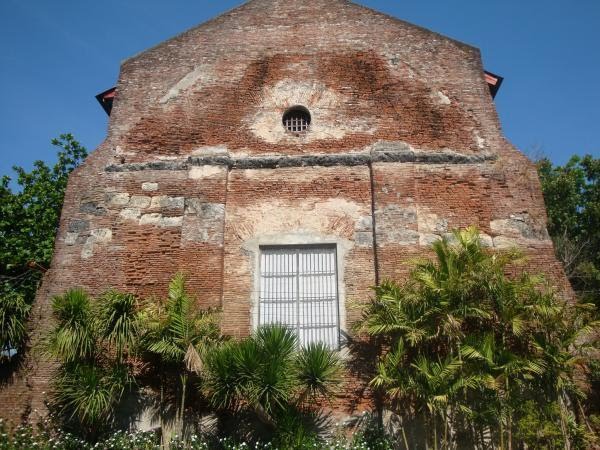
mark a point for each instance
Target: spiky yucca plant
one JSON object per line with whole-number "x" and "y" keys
{"x": 74, "y": 338}
{"x": 85, "y": 394}
{"x": 92, "y": 378}
{"x": 268, "y": 373}
{"x": 117, "y": 321}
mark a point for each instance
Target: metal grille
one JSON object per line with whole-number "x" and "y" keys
{"x": 298, "y": 289}
{"x": 296, "y": 120}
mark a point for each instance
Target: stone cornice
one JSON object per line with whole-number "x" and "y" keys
{"x": 379, "y": 153}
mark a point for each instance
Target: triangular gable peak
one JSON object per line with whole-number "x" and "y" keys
{"x": 363, "y": 76}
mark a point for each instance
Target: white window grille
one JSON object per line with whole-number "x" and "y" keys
{"x": 298, "y": 289}
{"x": 296, "y": 119}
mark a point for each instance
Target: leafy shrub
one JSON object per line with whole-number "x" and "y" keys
{"x": 463, "y": 345}
{"x": 13, "y": 313}
{"x": 29, "y": 217}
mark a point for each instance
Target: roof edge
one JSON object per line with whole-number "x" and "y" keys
{"x": 222, "y": 15}
{"x": 184, "y": 32}
{"x": 419, "y": 27}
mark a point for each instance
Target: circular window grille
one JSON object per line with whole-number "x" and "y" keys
{"x": 296, "y": 119}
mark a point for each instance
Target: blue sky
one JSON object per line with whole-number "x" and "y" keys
{"x": 56, "y": 55}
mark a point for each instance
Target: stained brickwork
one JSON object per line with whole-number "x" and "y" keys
{"x": 197, "y": 170}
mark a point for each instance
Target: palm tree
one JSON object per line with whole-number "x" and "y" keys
{"x": 90, "y": 384}
{"x": 269, "y": 374}
{"x": 117, "y": 321}
{"x": 506, "y": 373}
{"x": 74, "y": 338}
{"x": 463, "y": 340}
{"x": 179, "y": 334}
{"x": 86, "y": 395}
{"x": 566, "y": 340}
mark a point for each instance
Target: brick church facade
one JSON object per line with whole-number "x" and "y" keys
{"x": 285, "y": 156}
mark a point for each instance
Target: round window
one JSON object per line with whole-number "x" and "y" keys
{"x": 296, "y": 119}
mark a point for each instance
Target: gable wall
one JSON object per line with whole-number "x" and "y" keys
{"x": 197, "y": 172}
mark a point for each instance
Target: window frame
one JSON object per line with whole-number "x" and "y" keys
{"x": 297, "y": 250}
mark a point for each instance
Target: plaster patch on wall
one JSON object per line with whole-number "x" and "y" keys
{"x": 78, "y": 225}
{"x": 502, "y": 242}
{"x": 199, "y": 75}
{"x": 203, "y": 222}
{"x": 211, "y": 150}
{"x": 451, "y": 238}
{"x": 95, "y": 208}
{"x": 71, "y": 238}
{"x": 130, "y": 213}
{"x": 101, "y": 235}
{"x": 440, "y": 98}
{"x": 426, "y": 239}
{"x": 200, "y": 172}
{"x": 321, "y": 102}
{"x": 519, "y": 226}
{"x": 334, "y": 216}
{"x": 118, "y": 199}
{"x": 171, "y": 221}
{"x": 151, "y": 219}
{"x": 159, "y": 220}
{"x": 478, "y": 139}
{"x": 363, "y": 231}
{"x": 431, "y": 223}
{"x": 139, "y": 201}
{"x": 486, "y": 240}
{"x": 204, "y": 209}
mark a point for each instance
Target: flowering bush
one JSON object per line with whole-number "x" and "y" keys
{"x": 27, "y": 438}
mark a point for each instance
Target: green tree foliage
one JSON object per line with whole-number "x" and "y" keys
{"x": 465, "y": 346}
{"x": 176, "y": 334}
{"x": 29, "y": 217}
{"x": 572, "y": 196}
{"x": 13, "y": 314}
{"x": 88, "y": 340}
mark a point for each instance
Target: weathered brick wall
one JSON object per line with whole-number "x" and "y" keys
{"x": 418, "y": 204}
{"x": 311, "y": 205}
{"x": 197, "y": 170}
{"x": 363, "y": 75}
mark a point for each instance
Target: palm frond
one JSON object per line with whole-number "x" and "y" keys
{"x": 74, "y": 338}
{"x": 117, "y": 320}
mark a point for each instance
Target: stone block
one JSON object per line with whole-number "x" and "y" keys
{"x": 78, "y": 225}
{"x": 118, "y": 199}
{"x": 166, "y": 202}
{"x": 149, "y": 187}
{"x": 139, "y": 201}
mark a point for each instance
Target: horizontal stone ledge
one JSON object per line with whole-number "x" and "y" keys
{"x": 339, "y": 159}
